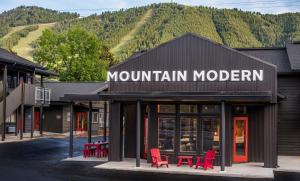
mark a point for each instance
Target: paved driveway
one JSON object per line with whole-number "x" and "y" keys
{"x": 40, "y": 160}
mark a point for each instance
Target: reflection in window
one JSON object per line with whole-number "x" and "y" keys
{"x": 188, "y": 108}
{"x": 211, "y": 134}
{"x": 188, "y": 134}
{"x": 166, "y": 136}
{"x": 210, "y": 109}
{"x": 166, "y": 108}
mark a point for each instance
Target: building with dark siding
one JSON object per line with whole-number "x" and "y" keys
{"x": 244, "y": 118}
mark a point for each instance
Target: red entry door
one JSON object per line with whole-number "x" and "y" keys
{"x": 240, "y": 139}
{"x": 36, "y": 120}
{"x": 80, "y": 121}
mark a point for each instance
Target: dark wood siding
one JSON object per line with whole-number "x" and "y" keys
{"x": 53, "y": 117}
{"x": 115, "y": 132}
{"x": 130, "y": 131}
{"x": 270, "y": 136}
{"x": 289, "y": 116}
{"x": 256, "y": 133}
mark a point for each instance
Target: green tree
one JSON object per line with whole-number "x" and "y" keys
{"x": 76, "y": 55}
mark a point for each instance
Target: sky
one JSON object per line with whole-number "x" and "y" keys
{"x": 87, "y": 7}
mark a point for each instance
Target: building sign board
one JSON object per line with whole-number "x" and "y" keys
{"x": 186, "y": 76}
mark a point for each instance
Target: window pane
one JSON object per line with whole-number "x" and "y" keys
{"x": 188, "y": 134}
{"x": 188, "y": 109}
{"x": 209, "y": 109}
{"x": 166, "y": 108}
{"x": 211, "y": 134}
{"x": 166, "y": 137}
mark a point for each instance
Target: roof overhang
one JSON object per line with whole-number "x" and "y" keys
{"x": 173, "y": 96}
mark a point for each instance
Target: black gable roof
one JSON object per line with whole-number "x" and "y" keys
{"x": 293, "y": 50}
{"x": 287, "y": 59}
{"x": 276, "y": 56}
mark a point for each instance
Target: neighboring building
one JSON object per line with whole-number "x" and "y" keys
{"x": 57, "y": 115}
{"x": 17, "y": 99}
{"x": 287, "y": 60}
{"x": 190, "y": 95}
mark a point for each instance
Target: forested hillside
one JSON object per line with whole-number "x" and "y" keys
{"x": 28, "y": 15}
{"x": 231, "y": 27}
{"x": 127, "y": 31}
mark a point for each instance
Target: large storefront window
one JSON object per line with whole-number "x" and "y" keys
{"x": 166, "y": 136}
{"x": 188, "y": 134}
{"x": 210, "y": 134}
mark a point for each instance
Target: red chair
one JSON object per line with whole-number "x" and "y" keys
{"x": 208, "y": 161}
{"x": 157, "y": 158}
{"x": 86, "y": 151}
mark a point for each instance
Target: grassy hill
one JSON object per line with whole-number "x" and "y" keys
{"x": 127, "y": 31}
{"x": 24, "y": 47}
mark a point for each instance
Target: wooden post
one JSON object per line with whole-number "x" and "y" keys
{"x": 138, "y": 133}
{"x": 32, "y": 111}
{"x": 71, "y": 131}
{"x": 90, "y": 123}
{"x": 41, "y": 109}
{"x": 105, "y": 121}
{"x": 4, "y": 101}
{"x": 22, "y": 111}
{"x": 223, "y": 125}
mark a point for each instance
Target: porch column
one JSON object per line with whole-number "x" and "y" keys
{"x": 32, "y": 113}
{"x": 22, "y": 111}
{"x": 71, "y": 131}
{"x": 32, "y": 122}
{"x": 105, "y": 121}
{"x": 115, "y": 132}
{"x": 138, "y": 133}
{"x": 41, "y": 109}
{"x": 223, "y": 125}
{"x": 4, "y": 101}
{"x": 90, "y": 123}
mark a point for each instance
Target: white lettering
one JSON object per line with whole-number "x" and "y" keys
{"x": 258, "y": 76}
{"x": 135, "y": 76}
{"x": 146, "y": 76}
{"x": 165, "y": 76}
{"x": 182, "y": 76}
{"x": 156, "y": 74}
{"x": 224, "y": 75}
{"x": 212, "y": 78}
{"x": 121, "y": 76}
{"x": 235, "y": 75}
{"x": 246, "y": 75}
{"x": 198, "y": 75}
{"x": 112, "y": 76}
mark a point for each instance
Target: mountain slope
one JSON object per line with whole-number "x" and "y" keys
{"x": 231, "y": 27}
{"x": 136, "y": 29}
{"x": 24, "y": 47}
{"x": 130, "y": 35}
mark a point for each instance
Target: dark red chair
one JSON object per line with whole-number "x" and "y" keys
{"x": 208, "y": 161}
{"x": 157, "y": 159}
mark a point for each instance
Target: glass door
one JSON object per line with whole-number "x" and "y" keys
{"x": 240, "y": 139}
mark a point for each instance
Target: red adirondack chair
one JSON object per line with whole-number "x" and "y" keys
{"x": 208, "y": 161}
{"x": 157, "y": 158}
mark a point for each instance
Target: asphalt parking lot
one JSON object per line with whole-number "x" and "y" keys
{"x": 41, "y": 160}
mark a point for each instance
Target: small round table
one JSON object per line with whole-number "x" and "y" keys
{"x": 189, "y": 160}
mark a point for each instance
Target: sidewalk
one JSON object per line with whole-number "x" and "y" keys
{"x": 36, "y": 135}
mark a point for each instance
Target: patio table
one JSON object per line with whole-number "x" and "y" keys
{"x": 189, "y": 160}
{"x": 97, "y": 146}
